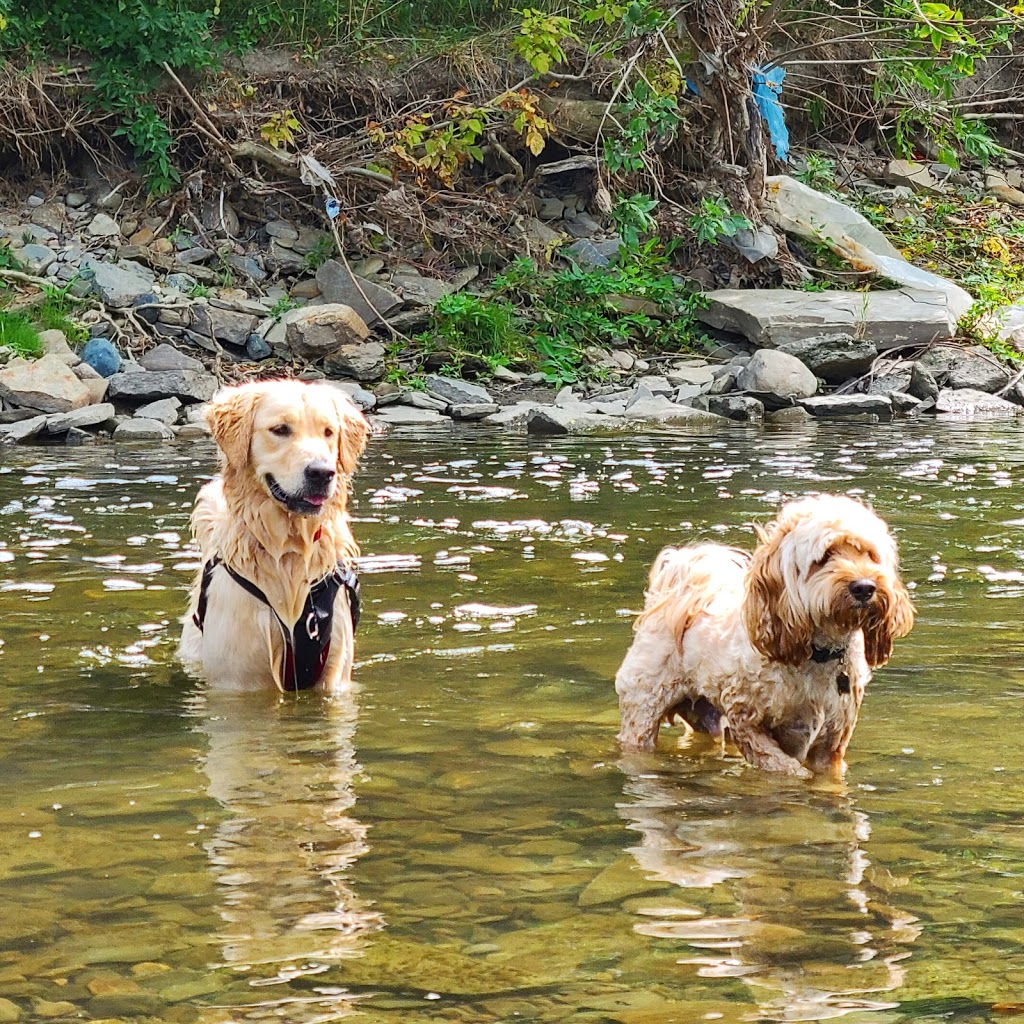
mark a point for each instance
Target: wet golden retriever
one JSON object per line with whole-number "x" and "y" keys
{"x": 276, "y": 601}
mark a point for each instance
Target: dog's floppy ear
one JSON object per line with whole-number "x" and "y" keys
{"x": 353, "y": 432}
{"x": 230, "y": 417}
{"x": 777, "y": 623}
{"x": 895, "y": 620}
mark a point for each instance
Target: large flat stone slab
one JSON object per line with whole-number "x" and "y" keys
{"x": 968, "y": 403}
{"x": 188, "y": 385}
{"x": 46, "y": 384}
{"x": 774, "y": 317}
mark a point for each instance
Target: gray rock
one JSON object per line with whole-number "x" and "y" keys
{"x": 911, "y": 174}
{"x": 904, "y": 404}
{"x": 657, "y": 385}
{"x": 549, "y": 208}
{"x": 585, "y": 254}
{"x": 511, "y": 416}
{"x": 338, "y": 286}
{"x": 775, "y": 317}
{"x": 417, "y": 290}
{"x": 725, "y": 382}
{"x": 284, "y": 259}
{"x": 22, "y": 430}
{"x": 167, "y": 357}
{"x": 457, "y": 392}
{"x": 282, "y": 230}
{"x": 256, "y": 348}
{"x": 76, "y": 437}
{"x": 967, "y": 403}
{"x": 37, "y": 258}
{"x": 923, "y": 384}
{"x": 364, "y": 362}
{"x": 114, "y": 286}
{"x": 977, "y": 370}
{"x": 834, "y": 358}
{"x": 754, "y": 244}
{"x": 421, "y": 400}
{"x": 230, "y": 327}
{"x": 777, "y": 374}
{"x": 537, "y": 235}
{"x": 143, "y": 430}
{"x": 56, "y": 344}
{"x": 195, "y": 254}
{"x": 557, "y": 421}
{"x": 844, "y": 406}
{"x": 247, "y": 266}
{"x": 75, "y": 200}
{"x": 46, "y": 384}
{"x": 702, "y": 376}
{"x": 736, "y": 407}
{"x": 101, "y": 415}
{"x": 165, "y": 410}
{"x": 889, "y": 383}
{"x": 788, "y": 416}
{"x": 472, "y": 412}
{"x": 314, "y": 331}
{"x": 188, "y": 385}
{"x": 407, "y": 416}
{"x": 103, "y": 226}
{"x": 660, "y": 410}
{"x": 183, "y": 282}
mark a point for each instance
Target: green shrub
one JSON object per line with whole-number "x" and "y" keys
{"x": 18, "y": 334}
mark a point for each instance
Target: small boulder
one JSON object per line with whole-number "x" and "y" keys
{"x": 101, "y": 415}
{"x": 56, "y": 344}
{"x": 967, "y": 403}
{"x": 979, "y": 370}
{"x": 167, "y": 357}
{"x": 21, "y": 430}
{"x": 476, "y": 411}
{"x": 370, "y": 301}
{"x": 834, "y": 358}
{"x": 845, "y": 406}
{"x": 46, "y": 384}
{"x": 363, "y": 362}
{"x": 104, "y": 226}
{"x": 256, "y": 348}
{"x": 314, "y": 331}
{"x": 164, "y": 409}
{"x": 100, "y": 354}
{"x": 457, "y": 392}
{"x": 188, "y": 385}
{"x": 115, "y": 286}
{"x": 142, "y": 430}
{"x": 736, "y": 407}
{"x": 778, "y": 376}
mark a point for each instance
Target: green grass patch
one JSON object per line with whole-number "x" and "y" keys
{"x": 18, "y": 333}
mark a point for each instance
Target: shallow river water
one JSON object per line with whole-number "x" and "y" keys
{"x": 463, "y": 841}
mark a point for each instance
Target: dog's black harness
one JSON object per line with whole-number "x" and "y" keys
{"x": 308, "y": 644}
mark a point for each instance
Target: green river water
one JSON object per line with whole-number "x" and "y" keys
{"x": 462, "y": 841}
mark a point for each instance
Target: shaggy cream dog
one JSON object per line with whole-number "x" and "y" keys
{"x": 772, "y": 650}
{"x": 276, "y": 602}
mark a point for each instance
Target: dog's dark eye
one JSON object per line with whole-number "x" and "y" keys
{"x": 328, "y": 432}
{"x": 281, "y": 430}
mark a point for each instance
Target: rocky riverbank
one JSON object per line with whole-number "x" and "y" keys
{"x": 166, "y": 316}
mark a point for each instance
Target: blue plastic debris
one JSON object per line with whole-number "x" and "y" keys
{"x": 333, "y": 208}
{"x": 767, "y": 84}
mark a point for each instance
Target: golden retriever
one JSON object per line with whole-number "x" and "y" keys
{"x": 773, "y": 649}
{"x": 276, "y": 601}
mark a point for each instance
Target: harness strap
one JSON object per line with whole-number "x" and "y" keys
{"x": 308, "y": 644}
{"x": 823, "y": 655}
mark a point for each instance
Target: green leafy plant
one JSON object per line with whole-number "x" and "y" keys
{"x": 818, "y": 172}
{"x": 53, "y": 312}
{"x": 540, "y": 39}
{"x": 282, "y": 306}
{"x": 320, "y": 253}
{"x": 649, "y": 118}
{"x": 633, "y": 216}
{"x": 483, "y": 327}
{"x": 19, "y": 335}
{"x": 715, "y": 220}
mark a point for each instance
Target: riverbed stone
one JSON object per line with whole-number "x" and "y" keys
{"x": 37, "y": 258}
{"x": 978, "y": 370}
{"x": 457, "y": 392}
{"x": 140, "y": 429}
{"x": 167, "y": 357}
{"x": 363, "y": 362}
{"x": 115, "y": 286}
{"x": 188, "y": 385}
{"x": 472, "y": 410}
{"x": 421, "y": 400}
{"x": 164, "y": 409}
{"x": 968, "y": 402}
{"x": 103, "y": 226}
{"x": 408, "y": 416}
{"x": 46, "y": 384}
{"x": 231, "y": 327}
{"x": 777, "y": 375}
{"x": 56, "y": 344}
{"x": 101, "y": 415}
{"x": 773, "y": 317}
{"x": 834, "y": 358}
{"x": 21, "y": 430}
{"x": 553, "y": 420}
{"x": 845, "y": 406}
{"x": 736, "y": 407}
{"x": 315, "y": 331}
{"x": 338, "y": 286}
{"x": 9, "y": 1011}
{"x": 923, "y": 384}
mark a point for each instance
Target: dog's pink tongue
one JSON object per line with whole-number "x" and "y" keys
{"x": 314, "y": 500}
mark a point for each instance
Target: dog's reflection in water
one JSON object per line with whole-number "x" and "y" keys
{"x": 795, "y": 907}
{"x": 283, "y": 772}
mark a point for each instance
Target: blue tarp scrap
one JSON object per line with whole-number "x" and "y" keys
{"x": 767, "y": 83}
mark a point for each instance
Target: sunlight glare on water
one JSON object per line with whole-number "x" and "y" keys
{"x": 462, "y": 840}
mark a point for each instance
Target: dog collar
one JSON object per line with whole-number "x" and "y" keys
{"x": 308, "y": 644}
{"x": 823, "y": 655}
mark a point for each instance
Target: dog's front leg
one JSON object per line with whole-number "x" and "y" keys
{"x": 762, "y": 751}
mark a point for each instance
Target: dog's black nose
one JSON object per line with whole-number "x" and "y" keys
{"x": 863, "y": 590}
{"x": 319, "y": 474}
